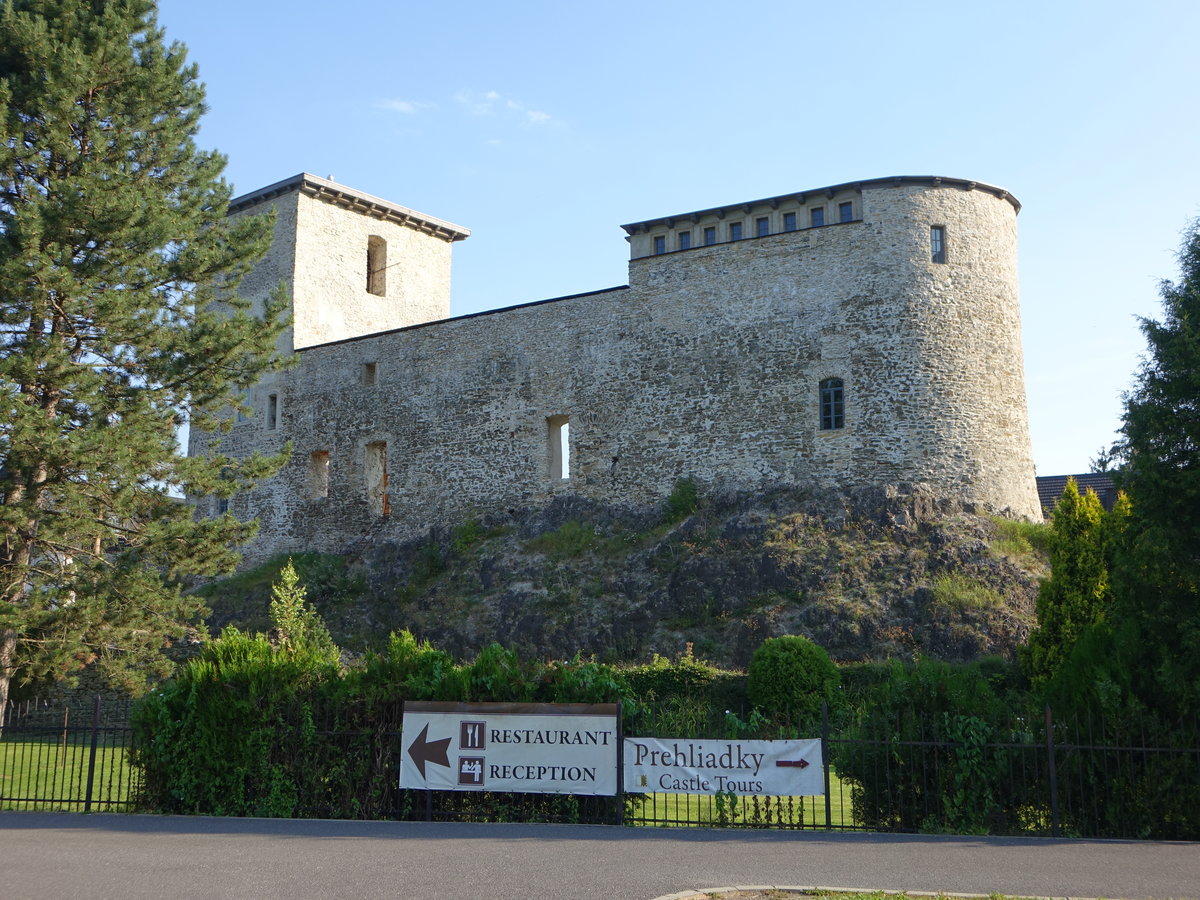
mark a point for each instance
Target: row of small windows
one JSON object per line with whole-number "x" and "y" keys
{"x": 735, "y": 231}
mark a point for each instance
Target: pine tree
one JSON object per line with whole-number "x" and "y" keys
{"x": 113, "y": 246}
{"x": 1158, "y": 583}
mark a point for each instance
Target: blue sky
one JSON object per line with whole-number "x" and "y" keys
{"x": 542, "y": 126}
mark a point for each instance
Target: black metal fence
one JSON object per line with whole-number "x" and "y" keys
{"x": 67, "y": 755}
{"x": 1082, "y": 778}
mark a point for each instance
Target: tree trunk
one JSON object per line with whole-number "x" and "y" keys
{"x": 8, "y": 647}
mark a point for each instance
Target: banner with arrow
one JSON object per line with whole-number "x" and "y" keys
{"x": 561, "y": 748}
{"x": 763, "y": 768}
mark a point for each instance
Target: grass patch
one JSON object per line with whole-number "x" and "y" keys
{"x": 707, "y": 810}
{"x": 1018, "y": 539}
{"x": 960, "y": 592}
{"x": 575, "y": 539}
{"x": 51, "y": 774}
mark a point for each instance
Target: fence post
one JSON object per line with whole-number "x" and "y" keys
{"x": 825, "y": 762}
{"x": 1053, "y": 772}
{"x": 87, "y": 801}
{"x": 619, "y": 813}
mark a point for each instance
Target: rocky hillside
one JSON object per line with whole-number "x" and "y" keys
{"x": 893, "y": 572}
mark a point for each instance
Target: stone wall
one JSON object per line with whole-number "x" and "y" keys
{"x": 707, "y": 366}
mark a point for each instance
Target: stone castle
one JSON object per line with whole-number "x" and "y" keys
{"x": 857, "y": 335}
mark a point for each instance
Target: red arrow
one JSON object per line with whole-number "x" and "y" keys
{"x": 423, "y": 751}
{"x": 792, "y": 763}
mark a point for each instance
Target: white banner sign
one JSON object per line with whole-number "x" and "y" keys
{"x": 681, "y": 766}
{"x": 543, "y": 748}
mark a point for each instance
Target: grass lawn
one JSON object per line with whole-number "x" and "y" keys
{"x": 708, "y": 810}
{"x": 44, "y": 773}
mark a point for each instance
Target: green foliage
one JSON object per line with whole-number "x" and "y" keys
{"x": 957, "y": 592}
{"x": 686, "y": 697}
{"x": 1157, "y": 580}
{"x": 1077, "y": 594}
{"x": 574, "y": 539}
{"x": 790, "y": 679}
{"x": 1022, "y": 540}
{"x": 297, "y": 627}
{"x": 682, "y": 502}
{"x": 113, "y": 239}
{"x": 923, "y": 763}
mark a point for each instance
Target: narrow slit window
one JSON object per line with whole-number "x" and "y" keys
{"x": 272, "y": 411}
{"x": 833, "y": 405}
{"x": 558, "y": 436}
{"x": 369, "y": 373}
{"x": 937, "y": 243}
{"x": 376, "y": 265}
{"x": 318, "y": 475}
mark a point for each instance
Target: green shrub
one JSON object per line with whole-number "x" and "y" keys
{"x": 918, "y": 752}
{"x": 790, "y": 679}
{"x": 682, "y": 502}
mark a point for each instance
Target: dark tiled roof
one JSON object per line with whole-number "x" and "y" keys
{"x": 1051, "y": 487}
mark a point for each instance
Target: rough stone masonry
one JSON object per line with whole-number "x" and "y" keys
{"x": 858, "y": 335}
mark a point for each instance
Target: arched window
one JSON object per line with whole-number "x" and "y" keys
{"x": 833, "y": 405}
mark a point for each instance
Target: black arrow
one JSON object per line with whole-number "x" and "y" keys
{"x": 791, "y": 763}
{"x": 423, "y": 751}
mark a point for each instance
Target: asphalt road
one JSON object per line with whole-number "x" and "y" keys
{"x": 62, "y": 855}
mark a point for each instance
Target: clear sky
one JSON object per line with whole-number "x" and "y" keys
{"x": 542, "y": 126}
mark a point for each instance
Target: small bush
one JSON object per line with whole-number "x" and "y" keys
{"x": 790, "y": 679}
{"x": 682, "y": 502}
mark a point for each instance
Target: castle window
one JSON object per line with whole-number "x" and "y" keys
{"x": 376, "y": 265}
{"x": 558, "y": 438}
{"x": 789, "y": 221}
{"x": 243, "y": 401}
{"x": 937, "y": 243}
{"x": 376, "y": 474}
{"x": 833, "y": 409}
{"x": 735, "y": 231}
{"x": 816, "y": 217}
{"x": 762, "y": 227}
{"x": 220, "y": 505}
{"x": 318, "y": 474}
{"x": 272, "y": 411}
{"x": 710, "y": 235}
{"x": 368, "y": 373}
{"x": 846, "y": 212}
{"x": 660, "y": 244}
{"x": 685, "y": 240}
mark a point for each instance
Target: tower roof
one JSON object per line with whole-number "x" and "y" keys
{"x": 339, "y": 194}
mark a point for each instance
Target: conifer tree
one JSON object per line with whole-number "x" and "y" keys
{"x": 1158, "y": 584}
{"x": 113, "y": 244}
{"x": 1078, "y": 593}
